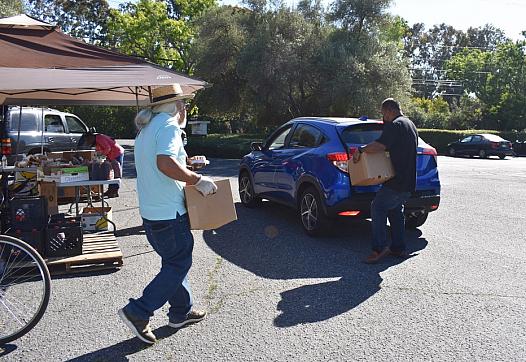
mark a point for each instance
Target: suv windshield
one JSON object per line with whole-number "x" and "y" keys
{"x": 362, "y": 133}
{"x": 29, "y": 122}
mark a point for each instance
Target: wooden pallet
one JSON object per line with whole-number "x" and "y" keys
{"x": 100, "y": 251}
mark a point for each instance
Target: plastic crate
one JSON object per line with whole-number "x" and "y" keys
{"x": 63, "y": 240}
{"x": 29, "y": 213}
{"x": 35, "y": 238}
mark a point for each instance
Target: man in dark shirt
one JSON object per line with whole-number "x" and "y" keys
{"x": 400, "y": 139}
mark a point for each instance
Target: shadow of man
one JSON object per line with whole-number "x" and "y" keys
{"x": 269, "y": 242}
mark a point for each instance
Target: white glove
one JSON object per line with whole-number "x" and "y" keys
{"x": 206, "y": 186}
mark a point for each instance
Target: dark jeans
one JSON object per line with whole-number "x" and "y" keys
{"x": 389, "y": 203}
{"x": 119, "y": 160}
{"x": 173, "y": 241}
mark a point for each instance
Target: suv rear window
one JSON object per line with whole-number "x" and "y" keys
{"x": 29, "y": 122}
{"x": 362, "y": 133}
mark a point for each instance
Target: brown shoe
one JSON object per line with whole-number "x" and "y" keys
{"x": 139, "y": 327}
{"x": 193, "y": 317}
{"x": 376, "y": 256}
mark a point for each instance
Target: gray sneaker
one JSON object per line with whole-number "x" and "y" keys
{"x": 193, "y": 317}
{"x": 139, "y": 327}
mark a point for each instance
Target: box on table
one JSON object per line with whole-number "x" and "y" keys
{"x": 371, "y": 169}
{"x": 68, "y": 155}
{"x": 64, "y": 174}
{"x": 49, "y": 191}
{"x": 213, "y": 211}
{"x": 95, "y": 218}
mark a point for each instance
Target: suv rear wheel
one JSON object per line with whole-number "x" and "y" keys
{"x": 246, "y": 191}
{"x": 414, "y": 221}
{"x": 312, "y": 216}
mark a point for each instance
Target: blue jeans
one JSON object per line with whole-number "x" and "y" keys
{"x": 120, "y": 161}
{"x": 173, "y": 241}
{"x": 389, "y": 203}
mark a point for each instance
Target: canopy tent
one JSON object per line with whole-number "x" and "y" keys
{"x": 40, "y": 65}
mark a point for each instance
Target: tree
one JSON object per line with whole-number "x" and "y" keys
{"x": 145, "y": 30}
{"x": 85, "y": 19}
{"x": 498, "y": 79}
{"x": 11, "y": 8}
{"x": 429, "y": 50}
{"x": 283, "y": 63}
{"x": 359, "y": 15}
{"x": 188, "y": 9}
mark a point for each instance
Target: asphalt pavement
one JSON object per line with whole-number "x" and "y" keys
{"x": 275, "y": 294}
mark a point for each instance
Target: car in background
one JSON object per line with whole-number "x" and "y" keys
{"x": 61, "y": 131}
{"x": 303, "y": 164}
{"x": 482, "y": 145}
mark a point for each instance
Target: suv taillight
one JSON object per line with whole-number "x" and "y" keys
{"x": 429, "y": 151}
{"x": 5, "y": 145}
{"x": 339, "y": 159}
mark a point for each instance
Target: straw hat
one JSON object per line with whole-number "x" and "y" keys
{"x": 168, "y": 93}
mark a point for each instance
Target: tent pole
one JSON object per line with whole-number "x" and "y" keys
{"x": 18, "y": 136}
{"x": 137, "y": 99}
{"x": 42, "y": 135}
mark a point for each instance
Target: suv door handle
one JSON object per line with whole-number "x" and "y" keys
{"x": 73, "y": 139}
{"x": 50, "y": 139}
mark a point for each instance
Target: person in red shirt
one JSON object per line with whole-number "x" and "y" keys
{"x": 114, "y": 153}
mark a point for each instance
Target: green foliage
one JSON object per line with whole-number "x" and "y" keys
{"x": 498, "y": 79}
{"x": 429, "y": 51}
{"x": 221, "y": 146}
{"x": 272, "y": 63}
{"x": 85, "y": 19}
{"x": 11, "y": 8}
{"x": 428, "y": 113}
{"x": 188, "y": 9}
{"x": 144, "y": 29}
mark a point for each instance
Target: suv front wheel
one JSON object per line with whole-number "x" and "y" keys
{"x": 246, "y": 191}
{"x": 312, "y": 216}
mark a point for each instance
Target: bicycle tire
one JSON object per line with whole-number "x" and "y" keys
{"x": 46, "y": 278}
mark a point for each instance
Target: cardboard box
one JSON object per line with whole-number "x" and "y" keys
{"x": 372, "y": 169}
{"x": 69, "y": 191}
{"x": 95, "y": 218}
{"x": 68, "y": 155}
{"x": 213, "y": 211}
{"x": 49, "y": 191}
{"x": 64, "y": 174}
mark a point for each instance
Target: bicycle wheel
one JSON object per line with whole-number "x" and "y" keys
{"x": 25, "y": 286}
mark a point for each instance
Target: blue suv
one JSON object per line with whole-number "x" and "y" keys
{"x": 303, "y": 164}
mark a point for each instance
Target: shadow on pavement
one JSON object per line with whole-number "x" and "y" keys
{"x": 269, "y": 242}
{"x": 134, "y": 230}
{"x": 120, "y": 351}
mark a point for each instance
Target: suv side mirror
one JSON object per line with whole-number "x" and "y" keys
{"x": 256, "y": 146}
{"x": 92, "y": 130}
